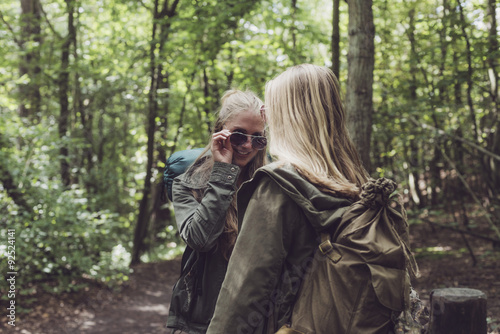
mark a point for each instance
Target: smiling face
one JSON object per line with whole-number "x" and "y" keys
{"x": 248, "y": 123}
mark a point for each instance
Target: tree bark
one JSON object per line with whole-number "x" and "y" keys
{"x": 30, "y": 62}
{"x": 161, "y": 20}
{"x": 63, "y": 84}
{"x": 293, "y": 29}
{"x": 361, "y": 58}
{"x": 443, "y": 34}
{"x": 458, "y": 311}
{"x": 470, "y": 70}
{"x": 10, "y": 185}
{"x": 336, "y": 38}
{"x": 493, "y": 48}
{"x": 413, "y": 159}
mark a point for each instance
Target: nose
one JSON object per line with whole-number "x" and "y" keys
{"x": 248, "y": 143}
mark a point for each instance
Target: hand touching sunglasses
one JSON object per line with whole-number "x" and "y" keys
{"x": 238, "y": 139}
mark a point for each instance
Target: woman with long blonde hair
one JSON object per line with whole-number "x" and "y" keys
{"x": 205, "y": 208}
{"x": 315, "y": 178}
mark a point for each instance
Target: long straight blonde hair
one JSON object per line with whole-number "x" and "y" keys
{"x": 307, "y": 128}
{"x": 233, "y": 102}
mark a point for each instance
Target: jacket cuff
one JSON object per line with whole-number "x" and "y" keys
{"x": 224, "y": 173}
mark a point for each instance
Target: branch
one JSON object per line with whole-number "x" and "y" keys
{"x": 173, "y": 8}
{"x": 18, "y": 42}
{"x": 456, "y": 229}
{"x": 465, "y": 141}
{"x": 144, "y": 5}
{"x": 183, "y": 109}
{"x": 48, "y": 22}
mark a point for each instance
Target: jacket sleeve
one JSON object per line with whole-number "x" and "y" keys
{"x": 200, "y": 224}
{"x": 246, "y": 299}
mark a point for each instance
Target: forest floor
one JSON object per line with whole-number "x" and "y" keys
{"x": 141, "y": 307}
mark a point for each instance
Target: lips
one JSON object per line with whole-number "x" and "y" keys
{"x": 243, "y": 153}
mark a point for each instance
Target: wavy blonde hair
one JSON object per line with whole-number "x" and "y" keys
{"x": 307, "y": 128}
{"x": 233, "y": 102}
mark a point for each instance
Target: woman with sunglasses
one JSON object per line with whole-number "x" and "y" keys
{"x": 205, "y": 208}
{"x": 316, "y": 176}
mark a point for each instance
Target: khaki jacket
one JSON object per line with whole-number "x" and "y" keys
{"x": 200, "y": 224}
{"x": 280, "y": 215}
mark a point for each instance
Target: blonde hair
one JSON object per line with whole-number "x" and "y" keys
{"x": 233, "y": 102}
{"x": 307, "y": 128}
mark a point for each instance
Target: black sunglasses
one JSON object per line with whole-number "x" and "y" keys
{"x": 238, "y": 139}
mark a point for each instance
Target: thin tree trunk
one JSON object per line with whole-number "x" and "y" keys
{"x": 85, "y": 159}
{"x": 493, "y": 48}
{"x": 457, "y": 87}
{"x": 77, "y": 107}
{"x": 443, "y": 34}
{"x": 63, "y": 83}
{"x": 361, "y": 58}
{"x": 208, "y": 96}
{"x": 336, "y": 38}
{"x": 161, "y": 20}
{"x": 30, "y": 62}
{"x": 294, "y": 27}
{"x": 414, "y": 160}
{"x": 470, "y": 70}
{"x": 434, "y": 170}
{"x": 143, "y": 218}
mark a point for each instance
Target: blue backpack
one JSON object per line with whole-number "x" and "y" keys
{"x": 177, "y": 164}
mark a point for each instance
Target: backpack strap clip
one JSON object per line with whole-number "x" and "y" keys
{"x": 327, "y": 248}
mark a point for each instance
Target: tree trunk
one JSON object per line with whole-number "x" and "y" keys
{"x": 361, "y": 60}
{"x": 413, "y": 160}
{"x": 336, "y": 38}
{"x": 443, "y": 35}
{"x": 144, "y": 217}
{"x": 458, "y": 311}
{"x": 470, "y": 80}
{"x": 85, "y": 158}
{"x": 493, "y": 48}
{"x": 63, "y": 84}
{"x": 30, "y": 63}
{"x": 9, "y": 184}
{"x": 293, "y": 29}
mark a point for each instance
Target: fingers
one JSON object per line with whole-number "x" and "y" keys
{"x": 221, "y": 146}
{"x": 221, "y": 136}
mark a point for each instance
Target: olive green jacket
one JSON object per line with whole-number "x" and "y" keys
{"x": 280, "y": 215}
{"x": 199, "y": 225}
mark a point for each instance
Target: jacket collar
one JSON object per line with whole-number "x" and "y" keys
{"x": 322, "y": 210}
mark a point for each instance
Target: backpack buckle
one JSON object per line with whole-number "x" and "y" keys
{"x": 329, "y": 251}
{"x": 325, "y": 247}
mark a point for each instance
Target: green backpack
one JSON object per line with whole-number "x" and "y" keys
{"x": 359, "y": 281}
{"x": 177, "y": 164}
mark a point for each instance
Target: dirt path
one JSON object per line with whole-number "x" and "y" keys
{"x": 141, "y": 307}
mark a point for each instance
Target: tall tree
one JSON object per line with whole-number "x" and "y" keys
{"x": 470, "y": 70}
{"x": 492, "y": 60}
{"x": 63, "y": 86}
{"x": 336, "y": 38}
{"x": 30, "y": 62}
{"x": 413, "y": 156}
{"x": 361, "y": 59}
{"x": 161, "y": 26}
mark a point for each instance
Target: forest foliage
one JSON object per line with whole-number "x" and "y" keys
{"x": 95, "y": 95}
